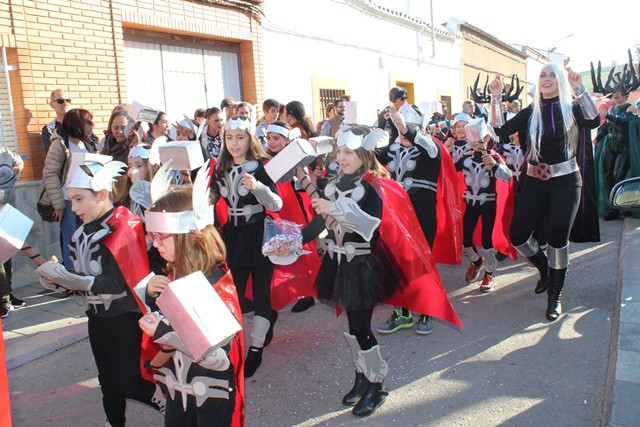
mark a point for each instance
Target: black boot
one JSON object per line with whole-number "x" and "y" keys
{"x": 556, "y": 283}
{"x": 373, "y": 397}
{"x": 357, "y": 391}
{"x": 272, "y": 322}
{"x": 253, "y": 362}
{"x": 303, "y": 304}
{"x": 539, "y": 261}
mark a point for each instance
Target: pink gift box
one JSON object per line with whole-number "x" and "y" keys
{"x": 198, "y": 315}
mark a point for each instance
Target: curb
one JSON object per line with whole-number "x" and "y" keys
{"x": 622, "y": 386}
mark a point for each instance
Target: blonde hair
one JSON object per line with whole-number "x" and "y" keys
{"x": 566, "y": 108}
{"x": 198, "y": 250}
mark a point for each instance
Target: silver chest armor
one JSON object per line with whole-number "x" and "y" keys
{"x": 350, "y": 219}
{"x": 84, "y": 245}
{"x": 514, "y": 157}
{"x": 402, "y": 165}
{"x": 477, "y": 179}
{"x": 233, "y": 191}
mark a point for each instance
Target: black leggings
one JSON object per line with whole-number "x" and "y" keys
{"x": 555, "y": 201}
{"x": 427, "y": 220}
{"x": 261, "y": 283}
{"x": 115, "y": 343}
{"x": 360, "y": 327}
{"x": 486, "y": 211}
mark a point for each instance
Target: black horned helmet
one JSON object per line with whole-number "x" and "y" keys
{"x": 624, "y": 82}
{"x": 483, "y": 96}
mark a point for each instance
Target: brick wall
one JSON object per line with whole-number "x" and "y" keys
{"x": 78, "y": 46}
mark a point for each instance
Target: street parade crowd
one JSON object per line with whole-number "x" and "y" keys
{"x": 254, "y": 212}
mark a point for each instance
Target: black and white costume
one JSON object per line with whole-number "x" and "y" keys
{"x": 199, "y": 392}
{"x": 243, "y": 235}
{"x": 417, "y": 169}
{"x": 480, "y": 199}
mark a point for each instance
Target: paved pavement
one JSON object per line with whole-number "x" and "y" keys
{"x": 49, "y": 323}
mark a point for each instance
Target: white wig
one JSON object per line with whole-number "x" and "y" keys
{"x": 565, "y": 98}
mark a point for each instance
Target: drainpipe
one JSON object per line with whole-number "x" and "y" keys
{"x": 13, "y": 117}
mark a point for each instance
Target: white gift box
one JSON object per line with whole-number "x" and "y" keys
{"x": 357, "y": 114}
{"x": 198, "y": 315}
{"x": 140, "y": 113}
{"x": 14, "y": 228}
{"x": 298, "y": 154}
{"x": 322, "y": 144}
{"x": 184, "y": 155}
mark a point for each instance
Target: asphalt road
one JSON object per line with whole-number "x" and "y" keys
{"x": 509, "y": 366}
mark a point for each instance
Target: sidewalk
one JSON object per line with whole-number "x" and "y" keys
{"x": 45, "y": 325}
{"x": 49, "y": 323}
{"x": 621, "y": 404}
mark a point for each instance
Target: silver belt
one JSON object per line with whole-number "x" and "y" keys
{"x": 545, "y": 172}
{"x": 349, "y": 250}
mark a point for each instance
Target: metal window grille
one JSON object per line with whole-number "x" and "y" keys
{"x": 329, "y": 95}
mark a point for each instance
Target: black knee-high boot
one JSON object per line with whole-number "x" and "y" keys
{"x": 539, "y": 261}
{"x": 556, "y": 282}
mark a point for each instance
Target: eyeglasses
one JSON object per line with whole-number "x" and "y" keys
{"x": 158, "y": 238}
{"x": 63, "y": 100}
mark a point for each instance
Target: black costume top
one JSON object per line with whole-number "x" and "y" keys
{"x": 110, "y": 295}
{"x": 617, "y": 129}
{"x": 553, "y": 149}
{"x": 414, "y": 169}
{"x": 357, "y": 271}
{"x": 243, "y": 233}
{"x": 480, "y": 181}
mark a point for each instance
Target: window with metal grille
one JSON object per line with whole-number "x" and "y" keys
{"x": 329, "y": 95}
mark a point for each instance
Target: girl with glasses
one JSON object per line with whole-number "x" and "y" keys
{"x": 210, "y": 391}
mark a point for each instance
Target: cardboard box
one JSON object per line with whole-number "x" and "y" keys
{"x": 298, "y": 154}
{"x": 199, "y": 316}
{"x": 322, "y": 144}
{"x": 184, "y": 155}
{"x": 14, "y": 228}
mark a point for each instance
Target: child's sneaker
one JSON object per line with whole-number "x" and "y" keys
{"x": 488, "y": 283}
{"x": 395, "y": 323}
{"x": 473, "y": 273}
{"x": 425, "y": 325}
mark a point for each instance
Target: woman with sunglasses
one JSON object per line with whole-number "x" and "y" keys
{"x": 74, "y": 135}
{"x": 248, "y": 192}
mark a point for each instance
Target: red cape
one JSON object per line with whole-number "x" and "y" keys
{"x": 447, "y": 245}
{"x": 504, "y": 213}
{"x": 296, "y": 280}
{"x": 127, "y": 245}
{"x": 5, "y": 407}
{"x": 227, "y": 291}
{"x": 425, "y": 293}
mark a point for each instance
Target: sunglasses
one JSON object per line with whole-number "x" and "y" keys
{"x": 63, "y": 100}
{"x": 158, "y": 238}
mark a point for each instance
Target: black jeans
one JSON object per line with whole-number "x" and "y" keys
{"x": 115, "y": 342}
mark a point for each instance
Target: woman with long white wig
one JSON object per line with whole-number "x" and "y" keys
{"x": 552, "y": 187}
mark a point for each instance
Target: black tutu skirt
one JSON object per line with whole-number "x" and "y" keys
{"x": 244, "y": 245}
{"x": 361, "y": 284}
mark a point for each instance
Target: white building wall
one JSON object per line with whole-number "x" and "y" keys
{"x": 343, "y": 39}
